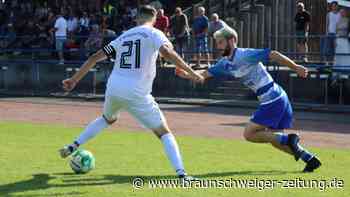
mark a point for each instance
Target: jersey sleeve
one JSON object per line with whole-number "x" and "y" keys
{"x": 219, "y": 69}
{"x": 160, "y": 39}
{"x": 110, "y": 50}
{"x": 254, "y": 56}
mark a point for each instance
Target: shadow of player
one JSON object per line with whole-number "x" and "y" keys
{"x": 41, "y": 181}
{"x": 37, "y": 182}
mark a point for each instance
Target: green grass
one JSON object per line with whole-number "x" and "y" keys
{"x": 30, "y": 165}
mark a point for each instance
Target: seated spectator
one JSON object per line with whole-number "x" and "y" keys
{"x": 83, "y": 32}
{"x": 9, "y": 37}
{"x": 93, "y": 20}
{"x": 31, "y": 33}
{"x": 94, "y": 41}
{"x": 84, "y": 22}
{"x": 44, "y": 39}
{"x": 109, "y": 11}
{"x": 71, "y": 44}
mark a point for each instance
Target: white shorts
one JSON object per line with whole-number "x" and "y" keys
{"x": 144, "y": 109}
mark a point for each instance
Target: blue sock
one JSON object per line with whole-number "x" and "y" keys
{"x": 306, "y": 156}
{"x": 282, "y": 138}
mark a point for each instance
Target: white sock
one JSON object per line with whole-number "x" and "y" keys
{"x": 92, "y": 129}
{"x": 172, "y": 151}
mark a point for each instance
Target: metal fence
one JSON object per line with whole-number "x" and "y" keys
{"x": 36, "y": 72}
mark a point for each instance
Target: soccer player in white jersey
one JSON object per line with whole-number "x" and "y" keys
{"x": 274, "y": 113}
{"x": 130, "y": 84}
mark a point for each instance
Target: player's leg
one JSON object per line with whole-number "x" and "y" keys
{"x": 147, "y": 112}
{"x": 111, "y": 110}
{"x": 261, "y": 134}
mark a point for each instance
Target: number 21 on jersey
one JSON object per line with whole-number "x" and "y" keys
{"x": 133, "y": 50}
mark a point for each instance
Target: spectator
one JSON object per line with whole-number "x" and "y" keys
{"x": 60, "y": 30}
{"x": 162, "y": 22}
{"x": 180, "y": 30}
{"x": 94, "y": 41}
{"x": 10, "y": 37}
{"x": 200, "y": 30}
{"x": 72, "y": 23}
{"x": 49, "y": 25}
{"x": 109, "y": 11}
{"x": 44, "y": 38}
{"x": 215, "y": 24}
{"x": 84, "y": 22}
{"x": 31, "y": 33}
{"x": 302, "y": 25}
{"x": 342, "y": 43}
{"x": 42, "y": 11}
{"x": 331, "y": 22}
{"x": 93, "y": 20}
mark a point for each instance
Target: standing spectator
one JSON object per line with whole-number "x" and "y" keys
{"x": 200, "y": 30}
{"x": 342, "y": 43}
{"x": 215, "y": 24}
{"x": 331, "y": 22}
{"x": 302, "y": 26}
{"x": 180, "y": 30}
{"x": 162, "y": 22}
{"x": 72, "y": 23}
{"x": 60, "y": 30}
{"x": 49, "y": 25}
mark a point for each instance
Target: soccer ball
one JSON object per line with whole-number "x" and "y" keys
{"x": 82, "y": 161}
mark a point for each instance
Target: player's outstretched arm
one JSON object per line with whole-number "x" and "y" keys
{"x": 169, "y": 54}
{"x": 183, "y": 74}
{"x": 70, "y": 83}
{"x": 284, "y": 60}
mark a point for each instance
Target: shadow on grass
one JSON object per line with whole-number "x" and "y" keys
{"x": 71, "y": 180}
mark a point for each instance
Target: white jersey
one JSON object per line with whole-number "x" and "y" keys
{"x": 135, "y": 53}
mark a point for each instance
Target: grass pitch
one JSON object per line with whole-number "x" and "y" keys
{"x": 30, "y": 166}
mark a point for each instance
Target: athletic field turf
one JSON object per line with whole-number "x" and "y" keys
{"x": 31, "y": 166}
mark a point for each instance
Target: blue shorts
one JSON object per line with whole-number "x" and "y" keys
{"x": 201, "y": 44}
{"x": 277, "y": 115}
{"x": 60, "y": 44}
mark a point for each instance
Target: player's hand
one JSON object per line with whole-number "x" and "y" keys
{"x": 69, "y": 84}
{"x": 302, "y": 71}
{"x": 181, "y": 73}
{"x": 198, "y": 78}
